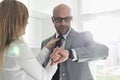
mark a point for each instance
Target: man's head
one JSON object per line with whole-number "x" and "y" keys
{"x": 62, "y": 18}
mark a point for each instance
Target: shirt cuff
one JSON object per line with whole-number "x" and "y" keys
{"x": 45, "y": 50}
{"x": 74, "y": 54}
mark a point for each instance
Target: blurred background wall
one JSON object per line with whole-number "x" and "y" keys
{"x": 100, "y": 17}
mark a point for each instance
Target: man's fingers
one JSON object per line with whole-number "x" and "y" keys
{"x": 59, "y": 55}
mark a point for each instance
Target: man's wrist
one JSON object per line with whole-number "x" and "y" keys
{"x": 71, "y": 54}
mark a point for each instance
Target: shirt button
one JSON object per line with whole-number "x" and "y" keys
{"x": 63, "y": 74}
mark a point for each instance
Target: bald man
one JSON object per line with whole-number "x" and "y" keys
{"x": 81, "y": 47}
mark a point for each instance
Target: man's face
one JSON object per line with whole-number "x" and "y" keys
{"x": 62, "y": 21}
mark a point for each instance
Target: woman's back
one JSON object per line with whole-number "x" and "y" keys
{"x": 21, "y": 64}
{"x": 12, "y": 69}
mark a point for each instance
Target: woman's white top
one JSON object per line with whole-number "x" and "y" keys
{"x": 21, "y": 64}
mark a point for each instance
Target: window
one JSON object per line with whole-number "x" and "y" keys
{"x": 105, "y": 29}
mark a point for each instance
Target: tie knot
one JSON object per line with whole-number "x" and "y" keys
{"x": 60, "y": 36}
{"x": 59, "y": 42}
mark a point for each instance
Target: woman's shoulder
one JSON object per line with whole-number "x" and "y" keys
{"x": 15, "y": 47}
{"x": 18, "y": 43}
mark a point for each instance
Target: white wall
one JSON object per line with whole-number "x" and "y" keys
{"x": 33, "y": 32}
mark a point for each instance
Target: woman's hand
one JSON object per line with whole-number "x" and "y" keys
{"x": 59, "y": 55}
{"x": 51, "y": 43}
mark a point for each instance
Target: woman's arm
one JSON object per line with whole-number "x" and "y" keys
{"x": 45, "y": 52}
{"x": 32, "y": 67}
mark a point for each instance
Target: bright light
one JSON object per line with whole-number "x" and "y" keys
{"x": 104, "y": 29}
{"x": 95, "y": 6}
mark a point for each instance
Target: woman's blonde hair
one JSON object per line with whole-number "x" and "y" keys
{"x": 13, "y": 19}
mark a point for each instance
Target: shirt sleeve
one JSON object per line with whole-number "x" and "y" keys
{"x": 75, "y": 55}
{"x": 32, "y": 67}
{"x": 43, "y": 55}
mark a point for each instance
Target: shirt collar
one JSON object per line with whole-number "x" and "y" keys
{"x": 65, "y": 35}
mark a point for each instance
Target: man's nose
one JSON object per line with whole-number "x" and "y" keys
{"x": 63, "y": 22}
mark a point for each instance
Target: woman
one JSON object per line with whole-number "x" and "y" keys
{"x": 17, "y": 61}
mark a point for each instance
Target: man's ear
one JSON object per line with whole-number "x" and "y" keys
{"x": 72, "y": 18}
{"x": 52, "y": 19}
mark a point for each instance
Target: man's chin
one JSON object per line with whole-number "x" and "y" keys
{"x": 63, "y": 33}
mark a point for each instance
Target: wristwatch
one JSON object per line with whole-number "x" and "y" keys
{"x": 71, "y": 54}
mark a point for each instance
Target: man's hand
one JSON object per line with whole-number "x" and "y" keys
{"x": 59, "y": 55}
